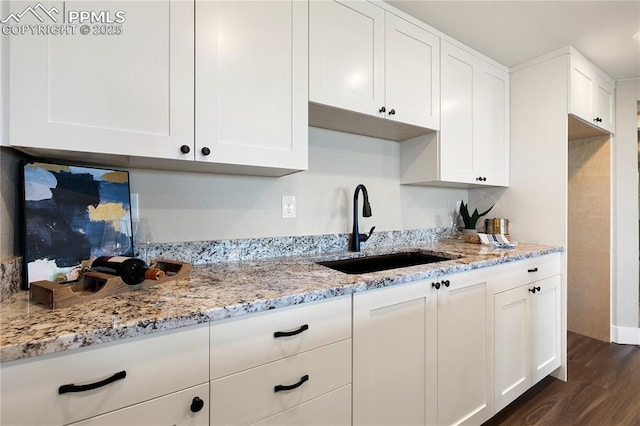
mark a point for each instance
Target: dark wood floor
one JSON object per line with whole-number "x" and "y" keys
{"x": 603, "y": 389}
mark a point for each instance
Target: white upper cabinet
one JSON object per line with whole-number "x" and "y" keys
{"x": 474, "y": 139}
{"x": 251, "y": 83}
{"x": 368, "y": 61}
{"x": 472, "y": 148}
{"x": 124, "y": 93}
{"x": 346, "y": 55}
{"x": 591, "y": 94}
{"x": 411, "y": 74}
{"x": 124, "y": 88}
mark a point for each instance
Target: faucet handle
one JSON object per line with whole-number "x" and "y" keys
{"x": 364, "y": 237}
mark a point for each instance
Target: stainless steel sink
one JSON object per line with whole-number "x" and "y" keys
{"x": 362, "y": 265}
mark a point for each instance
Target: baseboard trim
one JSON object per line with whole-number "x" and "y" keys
{"x": 625, "y": 335}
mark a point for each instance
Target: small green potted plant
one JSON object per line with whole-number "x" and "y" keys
{"x": 470, "y": 220}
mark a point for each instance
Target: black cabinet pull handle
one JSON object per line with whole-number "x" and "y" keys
{"x": 533, "y": 270}
{"x": 280, "y": 388}
{"x": 291, "y": 333}
{"x": 185, "y": 149}
{"x": 537, "y": 288}
{"x": 533, "y": 290}
{"x": 436, "y": 285}
{"x": 82, "y": 388}
{"x": 383, "y": 109}
{"x": 392, "y": 112}
{"x": 205, "y": 150}
{"x": 446, "y": 283}
{"x": 196, "y": 405}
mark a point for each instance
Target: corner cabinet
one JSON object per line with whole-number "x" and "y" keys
{"x": 371, "y": 72}
{"x": 420, "y": 354}
{"x": 123, "y": 89}
{"x": 591, "y": 94}
{"x": 472, "y": 147}
{"x": 251, "y": 84}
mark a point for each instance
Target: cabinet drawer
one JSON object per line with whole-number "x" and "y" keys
{"x": 332, "y": 409}
{"x": 174, "y": 409}
{"x": 247, "y": 342}
{"x": 155, "y": 365}
{"x": 515, "y": 274}
{"x": 250, "y": 396}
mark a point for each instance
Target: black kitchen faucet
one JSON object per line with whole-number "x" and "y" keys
{"x": 356, "y": 237}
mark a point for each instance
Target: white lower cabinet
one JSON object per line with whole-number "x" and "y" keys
{"x": 71, "y": 386}
{"x": 189, "y": 407}
{"x": 394, "y": 364}
{"x": 465, "y": 356}
{"x": 420, "y": 353}
{"x": 527, "y": 337}
{"x": 289, "y": 366}
{"x": 332, "y": 409}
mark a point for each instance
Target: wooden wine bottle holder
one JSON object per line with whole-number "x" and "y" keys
{"x": 95, "y": 285}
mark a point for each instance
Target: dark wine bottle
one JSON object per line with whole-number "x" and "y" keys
{"x": 132, "y": 271}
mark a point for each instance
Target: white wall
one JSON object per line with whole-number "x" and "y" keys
{"x": 196, "y": 206}
{"x": 625, "y": 191}
{"x": 200, "y": 206}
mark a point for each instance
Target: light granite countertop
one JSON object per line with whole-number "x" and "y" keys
{"x": 223, "y": 290}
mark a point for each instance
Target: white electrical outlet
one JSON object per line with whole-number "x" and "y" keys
{"x": 288, "y": 207}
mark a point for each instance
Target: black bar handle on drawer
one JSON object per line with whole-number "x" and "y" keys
{"x": 291, "y": 333}
{"x": 82, "y": 388}
{"x": 533, "y": 270}
{"x": 279, "y": 388}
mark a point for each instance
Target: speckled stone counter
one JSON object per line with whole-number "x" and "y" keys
{"x": 222, "y": 290}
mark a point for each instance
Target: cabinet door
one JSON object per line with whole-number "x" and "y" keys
{"x": 464, "y": 356}
{"x": 491, "y": 125}
{"x": 603, "y": 105}
{"x": 456, "y": 122}
{"x": 512, "y": 345}
{"x": 412, "y": 74}
{"x": 128, "y": 92}
{"x": 546, "y": 327}
{"x": 391, "y": 359}
{"x": 177, "y": 409}
{"x": 251, "y": 83}
{"x": 346, "y": 55}
{"x": 581, "y": 90}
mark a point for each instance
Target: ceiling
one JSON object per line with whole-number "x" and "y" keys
{"x": 511, "y": 32}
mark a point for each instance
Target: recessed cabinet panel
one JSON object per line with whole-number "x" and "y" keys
{"x": 513, "y": 345}
{"x": 456, "y": 147}
{"x": 463, "y": 355}
{"x": 491, "y": 122}
{"x": 411, "y": 73}
{"x": 251, "y": 83}
{"x": 390, "y": 378}
{"x": 123, "y": 88}
{"x": 546, "y": 326}
{"x": 604, "y": 105}
{"x": 581, "y": 91}
{"x": 346, "y": 41}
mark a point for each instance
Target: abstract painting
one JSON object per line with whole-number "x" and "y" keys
{"x": 73, "y": 214}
